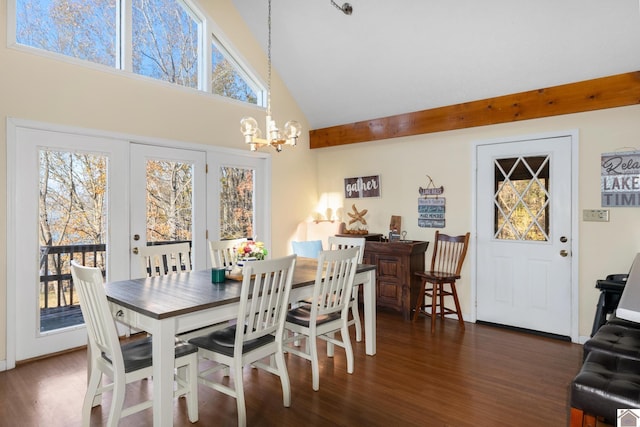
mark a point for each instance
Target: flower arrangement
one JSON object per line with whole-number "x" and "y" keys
{"x": 251, "y": 249}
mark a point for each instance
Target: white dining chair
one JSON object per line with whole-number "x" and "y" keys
{"x": 328, "y": 313}
{"x": 160, "y": 260}
{"x": 126, "y": 363}
{"x": 262, "y": 310}
{"x": 339, "y": 242}
{"x": 223, "y": 253}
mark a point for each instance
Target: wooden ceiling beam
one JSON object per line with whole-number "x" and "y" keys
{"x": 606, "y": 92}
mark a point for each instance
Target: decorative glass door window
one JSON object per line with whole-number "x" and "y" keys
{"x": 521, "y": 198}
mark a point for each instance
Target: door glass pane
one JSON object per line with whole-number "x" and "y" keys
{"x": 169, "y": 201}
{"x": 72, "y": 225}
{"x": 521, "y": 198}
{"x": 236, "y": 202}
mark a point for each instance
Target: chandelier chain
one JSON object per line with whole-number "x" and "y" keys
{"x": 273, "y": 137}
{"x": 269, "y": 61}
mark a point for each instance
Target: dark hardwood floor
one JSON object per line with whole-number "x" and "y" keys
{"x": 483, "y": 376}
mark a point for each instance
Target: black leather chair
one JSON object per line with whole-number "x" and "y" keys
{"x": 619, "y": 337}
{"x": 605, "y": 383}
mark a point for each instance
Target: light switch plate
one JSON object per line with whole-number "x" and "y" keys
{"x": 600, "y": 215}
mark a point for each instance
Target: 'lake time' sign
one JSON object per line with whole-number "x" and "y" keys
{"x": 620, "y": 179}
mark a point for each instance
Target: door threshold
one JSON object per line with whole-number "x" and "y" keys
{"x": 525, "y": 330}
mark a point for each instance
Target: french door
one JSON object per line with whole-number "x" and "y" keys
{"x": 168, "y": 200}
{"x": 525, "y": 234}
{"x": 66, "y": 205}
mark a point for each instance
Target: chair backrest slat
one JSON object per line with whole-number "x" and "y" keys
{"x": 334, "y": 281}
{"x": 339, "y": 242}
{"x": 223, "y": 252}
{"x": 264, "y": 298}
{"x": 160, "y": 260}
{"x": 449, "y": 253}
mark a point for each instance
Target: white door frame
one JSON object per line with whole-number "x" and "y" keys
{"x": 573, "y": 134}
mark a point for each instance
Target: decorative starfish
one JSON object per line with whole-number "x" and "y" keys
{"x": 357, "y": 216}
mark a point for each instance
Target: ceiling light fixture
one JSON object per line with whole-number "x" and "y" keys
{"x": 274, "y": 138}
{"x": 346, "y": 8}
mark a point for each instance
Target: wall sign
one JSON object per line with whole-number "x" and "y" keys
{"x": 431, "y": 207}
{"x": 620, "y": 179}
{"x": 363, "y": 186}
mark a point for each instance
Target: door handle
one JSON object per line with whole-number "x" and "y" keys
{"x": 563, "y": 253}
{"x": 135, "y": 251}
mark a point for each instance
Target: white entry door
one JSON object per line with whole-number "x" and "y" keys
{"x": 524, "y": 234}
{"x": 168, "y": 200}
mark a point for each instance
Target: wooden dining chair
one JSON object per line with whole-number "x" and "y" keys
{"x": 339, "y": 242}
{"x": 126, "y": 363}
{"x": 328, "y": 313}
{"x": 223, "y": 253}
{"x": 262, "y": 310}
{"x": 160, "y": 260}
{"x": 446, "y": 264}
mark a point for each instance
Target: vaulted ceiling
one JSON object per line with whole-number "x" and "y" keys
{"x": 392, "y": 57}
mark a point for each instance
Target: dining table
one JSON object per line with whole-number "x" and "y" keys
{"x": 165, "y": 306}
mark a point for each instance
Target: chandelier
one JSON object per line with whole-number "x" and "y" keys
{"x": 273, "y": 136}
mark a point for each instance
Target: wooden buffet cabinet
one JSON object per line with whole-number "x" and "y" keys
{"x": 396, "y": 286}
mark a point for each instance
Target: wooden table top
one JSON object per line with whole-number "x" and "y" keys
{"x": 178, "y": 294}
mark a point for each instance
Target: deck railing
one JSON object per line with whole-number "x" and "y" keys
{"x": 55, "y": 271}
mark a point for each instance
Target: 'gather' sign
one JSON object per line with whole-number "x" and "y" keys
{"x": 363, "y": 186}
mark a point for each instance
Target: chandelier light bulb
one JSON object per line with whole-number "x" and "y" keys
{"x": 248, "y": 126}
{"x": 292, "y": 130}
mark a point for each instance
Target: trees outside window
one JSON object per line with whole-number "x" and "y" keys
{"x": 166, "y": 41}
{"x": 236, "y": 202}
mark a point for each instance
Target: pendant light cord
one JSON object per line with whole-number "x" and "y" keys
{"x": 269, "y": 61}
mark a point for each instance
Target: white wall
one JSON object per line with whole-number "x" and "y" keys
{"x": 403, "y": 164}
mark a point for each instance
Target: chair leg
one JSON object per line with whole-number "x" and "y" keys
{"x": 89, "y": 397}
{"x": 313, "y": 352}
{"x": 457, "y": 303}
{"x": 420, "y": 301}
{"x": 284, "y": 378}
{"x": 434, "y": 305}
{"x": 239, "y": 389}
{"x": 192, "y": 394}
{"x": 347, "y": 347}
{"x": 117, "y": 401}
{"x": 580, "y": 419}
{"x": 356, "y": 314}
